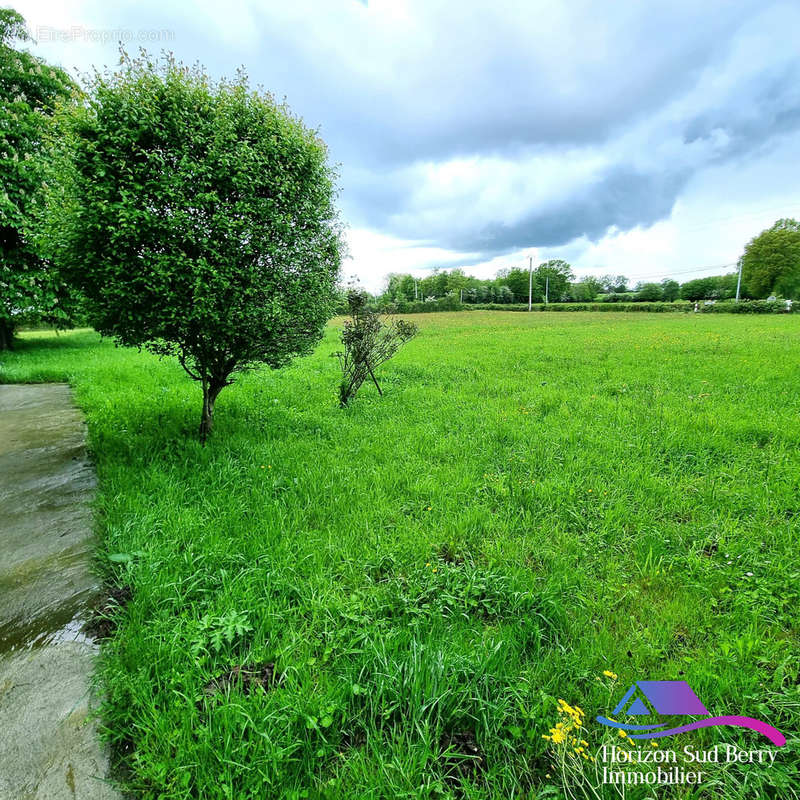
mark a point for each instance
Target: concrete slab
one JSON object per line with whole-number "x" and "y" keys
{"x": 49, "y": 748}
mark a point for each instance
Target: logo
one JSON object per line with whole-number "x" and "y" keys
{"x": 676, "y": 699}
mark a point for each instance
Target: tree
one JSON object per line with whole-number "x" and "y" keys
{"x": 405, "y": 287}
{"x": 199, "y": 221}
{"x": 771, "y": 261}
{"x": 726, "y": 286}
{"x": 670, "y": 290}
{"x": 30, "y": 89}
{"x": 614, "y": 284}
{"x": 394, "y": 288}
{"x": 585, "y": 290}
{"x": 552, "y": 277}
{"x": 456, "y": 281}
{"x": 593, "y": 285}
{"x": 502, "y": 295}
{"x": 516, "y": 280}
{"x": 716, "y": 287}
{"x": 368, "y": 342}
{"x": 649, "y": 292}
{"x": 698, "y": 289}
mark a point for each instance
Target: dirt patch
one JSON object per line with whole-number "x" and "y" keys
{"x": 105, "y": 618}
{"x": 461, "y": 758}
{"x": 449, "y": 555}
{"x": 710, "y": 549}
{"x": 246, "y": 678}
{"x": 352, "y": 740}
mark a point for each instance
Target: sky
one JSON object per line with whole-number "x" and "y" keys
{"x": 651, "y": 140}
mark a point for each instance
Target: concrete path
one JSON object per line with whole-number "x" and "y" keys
{"x": 48, "y": 749}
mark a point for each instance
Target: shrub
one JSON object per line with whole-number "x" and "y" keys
{"x": 368, "y": 342}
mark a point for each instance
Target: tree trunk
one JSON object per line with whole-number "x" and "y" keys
{"x": 6, "y": 335}
{"x": 211, "y": 388}
{"x": 375, "y": 380}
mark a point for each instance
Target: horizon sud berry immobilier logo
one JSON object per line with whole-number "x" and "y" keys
{"x": 642, "y": 706}
{"x": 676, "y": 699}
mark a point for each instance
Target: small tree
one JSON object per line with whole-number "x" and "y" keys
{"x": 699, "y": 289}
{"x": 368, "y": 342}
{"x": 199, "y": 221}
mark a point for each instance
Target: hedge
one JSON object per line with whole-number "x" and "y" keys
{"x": 615, "y": 307}
{"x": 720, "y": 307}
{"x": 750, "y": 307}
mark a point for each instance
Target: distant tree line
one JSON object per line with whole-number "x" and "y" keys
{"x": 551, "y": 282}
{"x": 770, "y": 267}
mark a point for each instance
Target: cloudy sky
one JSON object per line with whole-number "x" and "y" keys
{"x": 648, "y": 139}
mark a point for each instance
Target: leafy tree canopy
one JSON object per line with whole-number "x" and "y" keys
{"x": 771, "y": 261}
{"x": 716, "y": 287}
{"x": 552, "y": 277}
{"x": 614, "y": 283}
{"x": 670, "y": 290}
{"x": 649, "y": 292}
{"x": 30, "y": 89}
{"x": 199, "y": 221}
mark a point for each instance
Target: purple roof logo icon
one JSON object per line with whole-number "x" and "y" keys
{"x": 675, "y": 699}
{"x": 665, "y": 697}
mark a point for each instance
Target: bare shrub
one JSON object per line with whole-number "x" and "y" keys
{"x": 369, "y": 340}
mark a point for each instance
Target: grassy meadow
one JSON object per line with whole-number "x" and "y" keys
{"x": 388, "y": 601}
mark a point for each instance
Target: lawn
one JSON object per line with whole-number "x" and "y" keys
{"x": 411, "y": 584}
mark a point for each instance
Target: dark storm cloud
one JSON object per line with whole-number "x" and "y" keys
{"x": 497, "y": 81}
{"x": 512, "y": 102}
{"x": 623, "y": 198}
{"x": 647, "y": 94}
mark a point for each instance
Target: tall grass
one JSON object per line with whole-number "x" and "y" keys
{"x": 536, "y": 499}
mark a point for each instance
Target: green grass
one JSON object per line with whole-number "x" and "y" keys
{"x": 535, "y": 499}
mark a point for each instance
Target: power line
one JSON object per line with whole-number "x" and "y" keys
{"x": 668, "y": 271}
{"x": 791, "y": 209}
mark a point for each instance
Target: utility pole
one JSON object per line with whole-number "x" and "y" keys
{"x": 530, "y": 283}
{"x": 739, "y": 281}
{"x": 415, "y": 290}
{"x": 462, "y": 296}
{"x": 546, "y": 288}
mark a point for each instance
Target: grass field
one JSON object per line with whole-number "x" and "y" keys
{"x": 419, "y": 578}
